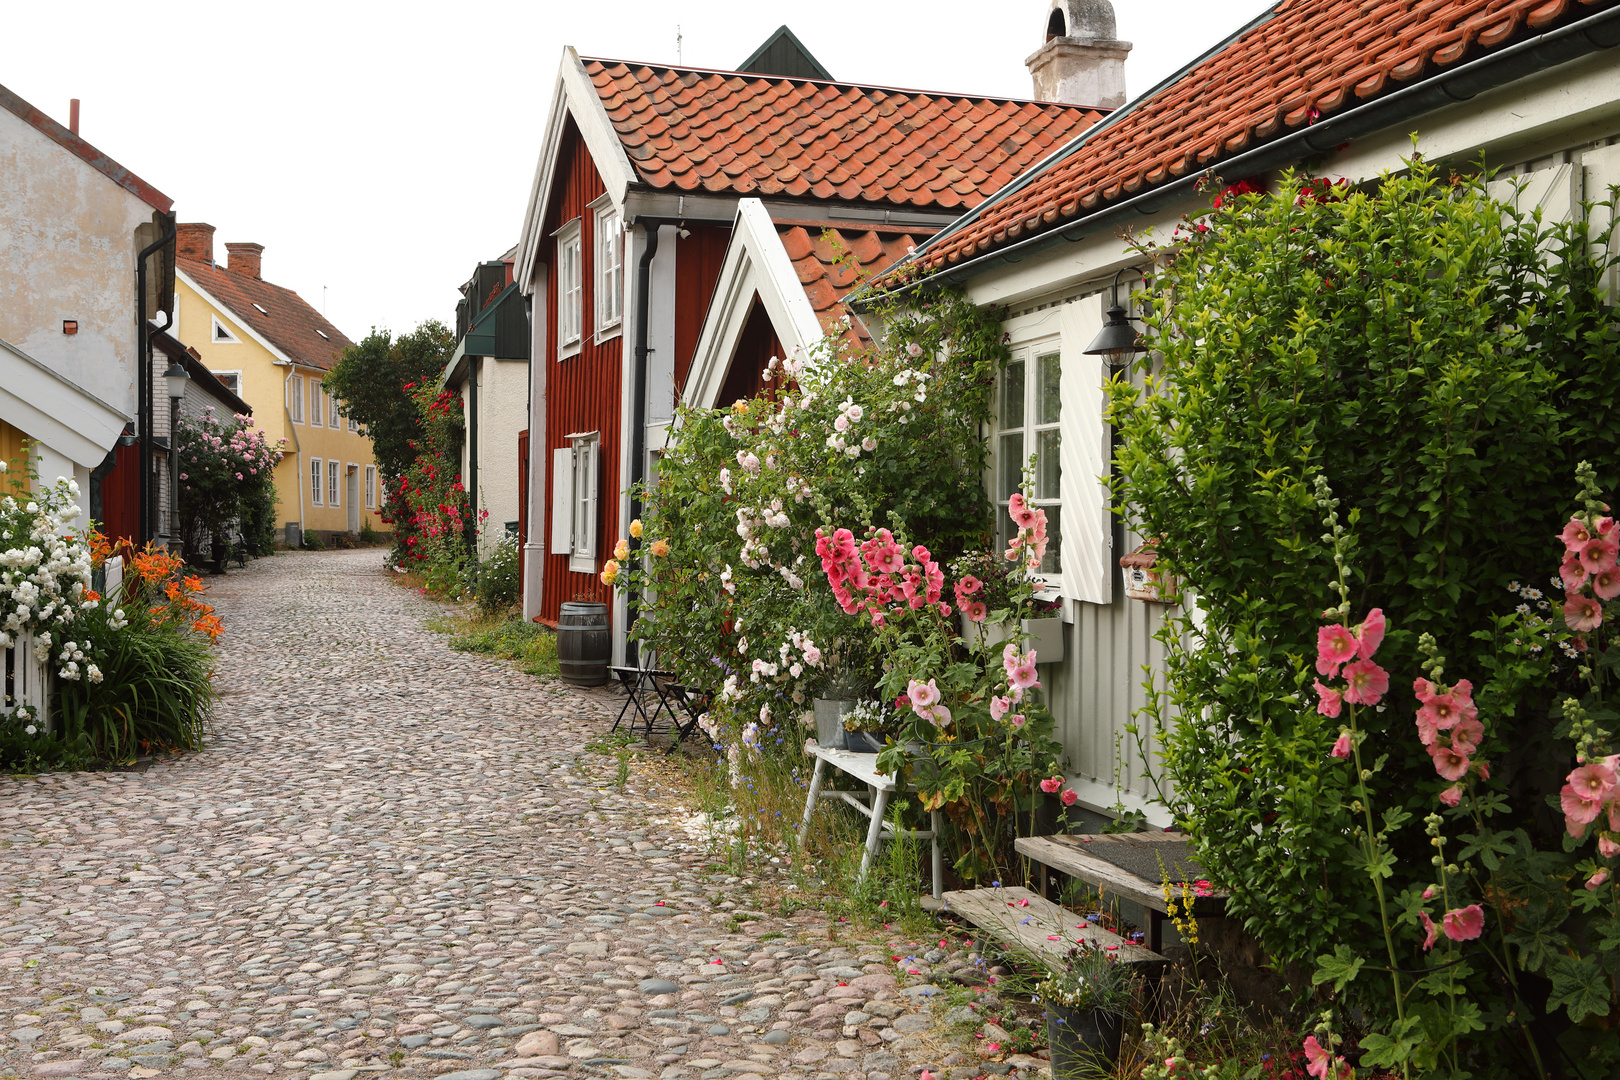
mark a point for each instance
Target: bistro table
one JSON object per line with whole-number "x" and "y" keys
{"x": 873, "y": 802}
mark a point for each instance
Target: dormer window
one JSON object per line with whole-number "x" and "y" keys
{"x": 323, "y": 334}
{"x": 262, "y": 310}
{"x": 222, "y": 334}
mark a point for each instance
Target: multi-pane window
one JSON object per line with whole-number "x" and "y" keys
{"x": 295, "y": 398}
{"x": 609, "y": 279}
{"x": 574, "y": 502}
{"x": 1028, "y": 425}
{"x": 333, "y": 419}
{"x": 371, "y": 487}
{"x": 570, "y": 288}
{"x": 316, "y": 486}
{"x": 354, "y": 425}
{"x": 317, "y": 410}
{"x": 332, "y": 483}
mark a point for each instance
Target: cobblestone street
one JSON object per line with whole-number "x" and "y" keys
{"x": 395, "y": 859}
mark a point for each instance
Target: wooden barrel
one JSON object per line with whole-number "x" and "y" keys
{"x": 584, "y": 644}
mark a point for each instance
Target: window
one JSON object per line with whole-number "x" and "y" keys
{"x": 262, "y": 309}
{"x": 231, "y": 380}
{"x": 574, "y": 478}
{"x": 295, "y": 398}
{"x": 371, "y": 486}
{"x": 322, "y": 333}
{"x": 570, "y": 289}
{"x": 222, "y": 334}
{"x": 332, "y": 483}
{"x": 317, "y": 410}
{"x": 1027, "y": 425}
{"x": 334, "y": 420}
{"x": 354, "y": 426}
{"x": 315, "y": 484}
{"x": 609, "y": 276}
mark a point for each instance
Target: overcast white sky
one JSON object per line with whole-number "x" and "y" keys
{"x": 380, "y": 150}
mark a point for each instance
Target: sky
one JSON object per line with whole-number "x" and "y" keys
{"x": 379, "y": 151}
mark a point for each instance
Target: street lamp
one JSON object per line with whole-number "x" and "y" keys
{"x": 177, "y": 378}
{"x": 1118, "y": 340}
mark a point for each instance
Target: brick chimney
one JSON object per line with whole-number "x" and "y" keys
{"x": 245, "y": 259}
{"x": 1081, "y": 63}
{"x": 195, "y": 241}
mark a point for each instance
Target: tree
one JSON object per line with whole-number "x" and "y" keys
{"x": 374, "y": 380}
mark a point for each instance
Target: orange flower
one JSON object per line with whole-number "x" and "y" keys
{"x": 91, "y": 595}
{"x": 194, "y": 583}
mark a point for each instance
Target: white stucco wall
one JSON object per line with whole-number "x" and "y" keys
{"x": 503, "y": 411}
{"x": 67, "y": 251}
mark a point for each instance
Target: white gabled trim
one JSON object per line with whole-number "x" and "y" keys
{"x": 55, "y": 411}
{"x": 279, "y": 356}
{"x": 575, "y": 95}
{"x": 755, "y": 262}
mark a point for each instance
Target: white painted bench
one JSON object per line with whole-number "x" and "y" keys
{"x": 874, "y": 803}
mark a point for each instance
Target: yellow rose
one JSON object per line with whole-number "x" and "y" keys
{"x": 609, "y": 576}
{"x": 635, "y": 528}
{"x": 660, "y": 548}
{"x": 621, "y": 550}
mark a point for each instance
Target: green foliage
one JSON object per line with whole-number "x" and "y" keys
{"x": 227, "y": 477}
{"x": 533, "y": 646}
{"x": 375, "y": 379}
{"x": 313, "y": 541}
{"x": 368, "y": 535}
{"x": 495, "y": 577}
{"x": 1443, "y": 362}
{"x": 428, "y": 505}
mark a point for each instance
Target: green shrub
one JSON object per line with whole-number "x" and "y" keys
{"x": 533, "y": 646}
{"x": 495, "y": 579}
{"x": 313, "y": 541}
{"x": 368, "y": 535}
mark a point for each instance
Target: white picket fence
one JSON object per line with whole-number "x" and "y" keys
{"x": 27, "y": 682}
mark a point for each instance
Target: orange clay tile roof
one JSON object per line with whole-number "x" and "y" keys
{"x": 743, "y": 134}
{"x": 831, "y": 258}
{"x": 1308, "y": 60}
{"x": 291, "y": 325}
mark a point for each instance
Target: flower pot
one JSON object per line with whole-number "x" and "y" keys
{"x": 830, "y": 714}
{"x": 1082, "y": 1040}
{"x": 1045, "y": 637}
{"x": 864, "y": 742}
{"x": 983, "y": 635}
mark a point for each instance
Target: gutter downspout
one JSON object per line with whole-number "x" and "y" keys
{"x": 1525, "y": 58}
{"x": 638, "y": 390}
{"x": 143, "y": 383}
{"x": 474, "y": 365}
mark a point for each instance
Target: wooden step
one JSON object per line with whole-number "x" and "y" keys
{"x": 1022, "y": 919}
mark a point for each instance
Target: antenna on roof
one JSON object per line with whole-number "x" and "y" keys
{"x": 323, "y": 301}
{"x": 677, "y": 43}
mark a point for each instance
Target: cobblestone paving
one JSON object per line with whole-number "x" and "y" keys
{"x": 398, "y": 860}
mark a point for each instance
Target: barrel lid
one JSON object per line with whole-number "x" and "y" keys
{"x": 583, "y": 607}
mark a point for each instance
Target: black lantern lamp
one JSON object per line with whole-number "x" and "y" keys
{"x": 1118, "y": 340}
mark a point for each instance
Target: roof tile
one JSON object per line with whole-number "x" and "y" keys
{"x": 289, "y": 323}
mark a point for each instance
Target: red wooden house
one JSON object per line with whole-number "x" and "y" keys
{"x": 631, "y": 220}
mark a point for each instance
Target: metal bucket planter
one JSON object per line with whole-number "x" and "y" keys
{"x": 864, "y": 742}
{"x": 1083, "y": 1041}
{"x": 830, "y": 713}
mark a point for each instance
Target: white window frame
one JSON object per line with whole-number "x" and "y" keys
{"x": 371, "y": 487}
{"x": 354, "y": 426}
{"x": 570, "y": 290}
{"x": 295, "y": 398}
{"x": 334, "y": 420}
{"x": 317, "y": 402}
{"x": 237, "y": 375}
{"x": 607, "y": 269}
{"x": 220, "y": 334}
{"x": 575, "y": 500}
{"x": 317, "y": 481}
{"x": 334, "y": 478}
{"x": 1032, "y": 426}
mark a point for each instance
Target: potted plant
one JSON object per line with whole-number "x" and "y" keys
{"x": 867, "y": 726}
{"x": 1086, "y": 1004}
{"x": 843, "y": 693}
{"x": 1002, "y": 592}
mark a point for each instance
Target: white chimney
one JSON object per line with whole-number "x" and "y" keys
{"x": 1081, "y": 63}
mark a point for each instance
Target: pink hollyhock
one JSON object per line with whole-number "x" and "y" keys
{"x": 1427, "y": 732}
{"x": 1442, "y": 712}
{"x": 1023, "y": 676}
{"x": 1069, "y": 798}
{"x": 1341, "y": 746}
{"x": 1371, "y": 633}
{"x": 1596, "y": 880}
{"x": 1334, "y": 645}
{"x": 1016, "y": 720}
{"x": 1021, "y": 512}
{"x": 1575, "y": 535}
{"x": 1464, "y": 924}
{"x": 1322, "y": 1063}
{"x": 969, "y": 585}
{"x": 877, "y": 618}
{"x": 1052, "y": 785}
{"x": 1467, "y": 735}
{"x": 1330, "y": 701}
{"x": 1594, "y": 780}
{"x": 1607, "y": 584}
{"x": 1367, "y": 682}
{"x": 1452, "y": 795}
{"x": 975, "y": 611}
{"x": 1449, "y": 763}
{"x": 1429, "y": 929}
{"x": 1607, "y": 846}
{"x": 1599, "y": 554}
{"x": 1582, "y": 613}
{"x": 923, "y": 695}
{"x": 1579, "y": 811}
{"x": 1424, "y": 689}
{"x": 1572, "y": 573}
{"x": 999, "y": 707}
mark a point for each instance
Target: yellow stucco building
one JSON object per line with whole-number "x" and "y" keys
{"x": 274, "y": 350}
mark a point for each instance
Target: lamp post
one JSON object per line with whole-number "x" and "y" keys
{"x": 177, "y": 378}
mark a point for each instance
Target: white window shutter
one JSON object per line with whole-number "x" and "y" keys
{"x": 562, "y": 500}
{"x": 1556, "y": 191}
{"x": 1088, "y": 552}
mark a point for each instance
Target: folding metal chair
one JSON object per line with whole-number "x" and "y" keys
{"x": 645, "y": 697}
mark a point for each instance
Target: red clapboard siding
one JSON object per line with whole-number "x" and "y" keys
{"x": 697, "y": 270}
{"x": 583, "y": 391}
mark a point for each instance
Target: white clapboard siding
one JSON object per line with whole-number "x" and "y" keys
{"x": 1087, "y": 553}
{"x": 1601, "y": 169}
{"x": 26, "y": 681}
{"x": 562, "y": 500}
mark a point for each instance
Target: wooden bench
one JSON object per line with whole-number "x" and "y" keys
{"x": 1073, "y": 854}
{"x": 1033, "y": 923}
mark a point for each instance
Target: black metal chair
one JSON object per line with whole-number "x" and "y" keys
{"x": 646, "y": 698}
